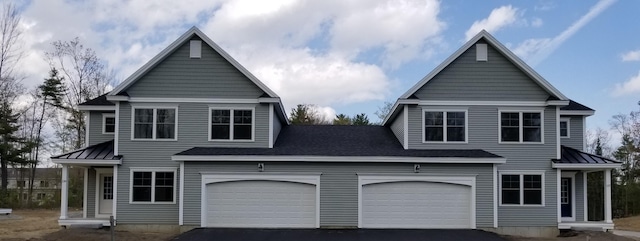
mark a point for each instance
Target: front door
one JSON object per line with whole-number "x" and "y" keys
{"x": 566, "y": 201}
{"x": 105, "y": 195}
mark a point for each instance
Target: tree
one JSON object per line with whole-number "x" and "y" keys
{"x": 86, "y": 77}
{"x": 306, "y": 114}
{"x": 342, "y": 120}
{"x": 11, "y": 146}
{"x": 383, "y": 110}
{"x": 361, "y": 120}
{"x": 10, "y": 52}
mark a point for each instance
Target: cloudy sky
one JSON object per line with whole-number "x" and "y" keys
{"x": 352, "y": 56}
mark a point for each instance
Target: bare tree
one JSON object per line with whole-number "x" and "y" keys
{"x": 10, "y": 51}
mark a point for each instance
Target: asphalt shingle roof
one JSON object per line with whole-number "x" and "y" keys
{"x": 328, "y": 140}
{"x": 100, "y": 100}
{"x": 575, "y": 106}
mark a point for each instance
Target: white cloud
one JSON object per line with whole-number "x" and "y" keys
{"x": 537, "y": 50}
{"x": 631, "y": 56}
{"x": 536, "y": 22}
{"x": 498, "y": 19}
{"x": 631, "y": 86}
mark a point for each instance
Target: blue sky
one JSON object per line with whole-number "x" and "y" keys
{"x": 352, "y": 56}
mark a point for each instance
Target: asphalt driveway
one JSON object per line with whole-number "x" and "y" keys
{"x": 224, "y": 234}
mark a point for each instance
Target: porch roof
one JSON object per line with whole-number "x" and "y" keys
{"x": 98, "y": 154}
{"x": 573, "y": 158}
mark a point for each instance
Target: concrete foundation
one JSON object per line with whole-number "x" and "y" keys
{"x": 545, "y": 232}
{"x": 149, "y": 228}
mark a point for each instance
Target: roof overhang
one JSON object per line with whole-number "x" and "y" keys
{"x": 580, "y": 166}
{"x": 87, "y": 162}
{"x": 97, "y": 107}
{"x": 253, "y": 158}
{"x": 577, "y": 112}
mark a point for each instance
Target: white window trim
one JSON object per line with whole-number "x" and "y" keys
{"x": 104, "y": 123}
{"x": 520, "y": 111}
{"x": 155, "y": 114}
{"x": 521, "y": 173}
{"x": 568, "y": 120}
{"x": 571, "y": 175}
{"x": 231, "y": 109}
{"x": 153, "y": 183}
{"x": 444, "y": 125}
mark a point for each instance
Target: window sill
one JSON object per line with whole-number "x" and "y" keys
{"x": 159, "y": 140}
{"x": 565, "y": 137}
{"x": 136, "y": 203}
{"x": 108, "y": 133}
{"x": 523, "y": 205}
{"x": 211, "y": 140}
{"x": 520, "y": 143}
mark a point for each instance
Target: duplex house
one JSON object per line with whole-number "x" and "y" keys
{"x": 46, "y": 184}
{"x": 193, "y": 139}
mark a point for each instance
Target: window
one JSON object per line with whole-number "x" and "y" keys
{"x": 564, "y": 127}
{"x": 519, "y": 127}
{"x": 108, "y": 123}
{"x": 564, "y": 191}
{"x": 153, "y": 186}
{"x": 107, "y": 188}
{"x": 231, "y": 124}
{"x": 25, "y": 196}
{"x": 155, "y": 123}
{"x": 20, "y": 183}
{"x": 41, "y": 196}
{"x": 522, "y": 189}
{"x": 445, "y": 126}
{"x": 44, "y": 184}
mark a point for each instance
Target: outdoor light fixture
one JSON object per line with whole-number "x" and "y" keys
{"x": 416, "y": 168}
{"x": 261, "y": 167}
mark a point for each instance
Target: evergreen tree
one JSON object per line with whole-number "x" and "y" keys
{"x": 12, "y": 147}
{"x": 361, "y": 120}
{"x": 342, "y": 120}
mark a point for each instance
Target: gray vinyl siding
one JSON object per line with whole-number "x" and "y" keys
{"x": 277, "y": 125}
{"x": 192, "y": 132}
{"x": 576, "y": 135}
{"x": 178, "y": 76}
{"x": 496, "y": 79}
{"x": 397, "y": 127}
{"x": 339, "y": 185}
{"x": 91, "y": 193}
{"x": 95, "y": 128}
{"x": 579, "y": 196}
{"x": 483, "y": 134}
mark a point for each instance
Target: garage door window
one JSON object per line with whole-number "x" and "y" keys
{"x": 153, "y": 187}
{"x": 522, "y": 189}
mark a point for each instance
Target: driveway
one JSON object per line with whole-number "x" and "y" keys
{"x": 223, "y": 234}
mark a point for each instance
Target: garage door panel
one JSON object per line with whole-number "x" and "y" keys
{"x": 261, "y": 204}
{"x": 416, "y": 205}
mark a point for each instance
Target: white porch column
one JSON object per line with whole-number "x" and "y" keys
{"x": 585, "y": 217}
{"x": 558, "y": 187}
{"x": 64, "y": 195}
{"x": 85, "y": 196}
{"x": 607, "y": 196}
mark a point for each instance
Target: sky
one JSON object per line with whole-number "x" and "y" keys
{"x": 352, "y": 56}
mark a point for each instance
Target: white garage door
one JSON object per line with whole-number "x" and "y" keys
{"x": 261, "y": 204}
{"x": 416, "y": 205}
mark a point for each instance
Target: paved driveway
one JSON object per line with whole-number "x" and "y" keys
{"x": 222, "y": 234}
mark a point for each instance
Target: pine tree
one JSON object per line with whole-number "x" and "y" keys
{"x": 12, "y": 147}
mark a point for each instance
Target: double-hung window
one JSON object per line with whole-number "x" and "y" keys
{"x": 445, "y": 126}
{"x": 564, "y": 127}
{"x": 155, "y": 123}
{"x": 522, "y": 189}
{"x": 153, "y": 186}
{"x": 108, "y": 123}
{"x": 231, "y": 124}
{"x": 521, "y": 126}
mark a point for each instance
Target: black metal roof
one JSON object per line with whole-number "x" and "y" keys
{"x": 575, "y": 106}
{"x": 573, "y": 156}
{"x": 100, "y": 100}
{"x": 100, "y": 151}
{"x": 328, "y": 140}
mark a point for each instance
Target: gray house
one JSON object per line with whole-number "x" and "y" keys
{"x": 193, "y": 139}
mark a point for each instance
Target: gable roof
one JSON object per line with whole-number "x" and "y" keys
{"x": 99, "y": 101}
{"x": 503, "y": 50}
{"x": 575, "y": 106}
{"x": 173, "y": 47}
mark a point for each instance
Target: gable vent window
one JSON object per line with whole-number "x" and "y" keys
{"x": 481, "y": 52}
{"x": 195, "y": 51}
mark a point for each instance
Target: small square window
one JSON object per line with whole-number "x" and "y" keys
{"x": 108, "y": 124}
{"x": 564, "y": 128}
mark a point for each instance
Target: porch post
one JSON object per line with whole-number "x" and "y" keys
{"x": 584, "y": 197}
{"x": 64, "y": 196}
{"x": 607, "y": 196}
{"x": 85, "y": 196}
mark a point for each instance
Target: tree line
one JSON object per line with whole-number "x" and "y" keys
{"x": 309, "y": 114}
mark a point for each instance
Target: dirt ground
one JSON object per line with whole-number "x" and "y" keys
{"x": 41, "y": 225}
{"x": 580, "y": 236}
{"x": 630, "y": 223}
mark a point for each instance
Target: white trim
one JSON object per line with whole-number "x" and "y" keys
{"x": 445, "y": 113}
{"x": 558, "y": 205}
{"x": 96, "y": 107}
{"x": 153, "y": 171}
{"x": 195, "y": 49}
{"x": 406, "y": 127}
{"x": 558, "y": 142}
{"x": 483, "y": 103}
{"x": 115, "y": 192}
{"x": 231, "y": 122}
{"x": 520, "y": 111}
{"x": 585, "y": 208}
{"x": 117, "y": 98}
{"x": 585, "y": 166}
{"x": 521, "y": 189}
{"x": 212, "y": 177}
{"x": 194, "y": 100}
{"x": 482, "y": 54}
{"x": 586, "y": 225}
{"x": 104, "y": 123}
{"x": 84, "y": 222}
{"x": 568, "y": 120}
{"x": 116, "y": 136}
{"x": 85, "y": 195}
{"x": 154, "y": 122}
{"x": 571, "y": 175}
{"x": 584, "y": 132}
{"x": 366, "y": 179}
{"x": 250, "y": 158}
{"x": 181, "y": 200}
{"x": 101, "y": 171}
{"x": 176, "y": 44}
{"x": 502, "y": 49}
{"x": 607, "y": 196}
{"x": 495, "y": 195}
{"x": 87, "y": 122}
{"x": 271, "y": 141}
{"x": 64, "y": 192}
{"x": 577, "y": 112}
{"x": 90, "y": 162}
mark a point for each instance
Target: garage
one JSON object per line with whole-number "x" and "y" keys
{"x": 416, "y": 202}
{"x": 261, "y": 201}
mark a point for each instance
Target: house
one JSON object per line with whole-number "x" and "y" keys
{"x": 192, "y": 139}
{"x": 46, "y": 184}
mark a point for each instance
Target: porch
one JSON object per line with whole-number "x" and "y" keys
{"x": 573, "y": 169}
{"x": 100, "y": 182}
